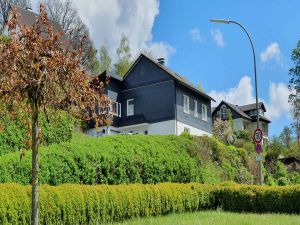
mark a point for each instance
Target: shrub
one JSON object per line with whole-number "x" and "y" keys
{"x": 56, "y": 128}
{"x": 108, "y": 160}
{"x": 80, "y": 204}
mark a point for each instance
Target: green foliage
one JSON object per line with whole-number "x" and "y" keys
{"x": 105, "y": 60}
{"x": 108, "y": 160}
{"x": 79, "y": 204}
{"x": 57, "y": 128}
{"x": 124, "y": 56}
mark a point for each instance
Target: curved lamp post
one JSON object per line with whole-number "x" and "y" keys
{"x": 260, "y": 175}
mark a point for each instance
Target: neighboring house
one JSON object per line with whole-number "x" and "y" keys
{"x": 244, "y": 117}
{"x": 292, "y": 164}
{"x": 151, "y": 99}
{"x": 28, "y": 18}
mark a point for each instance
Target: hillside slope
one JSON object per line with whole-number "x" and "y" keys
{"x": 131, "y": 159}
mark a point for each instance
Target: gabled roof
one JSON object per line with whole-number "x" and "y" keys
{"x": 235, "y": 108}
{"x": 174, "y": 75}
{"x": 111, "y": 75}
{"x": 242, "y": 109}
{"x": 252, "y": 106}
{"x": 28, "y": 18}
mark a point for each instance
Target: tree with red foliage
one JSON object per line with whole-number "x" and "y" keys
{"x": 38, "y": 71}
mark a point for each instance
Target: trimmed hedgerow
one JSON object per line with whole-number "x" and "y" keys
{"x": 80, "y": 204}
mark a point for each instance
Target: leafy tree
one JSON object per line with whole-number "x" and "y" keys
{"x": 294, "y": 86}
{"x": 222, "y": 130}
{"x": 124, "y": 56}
{"x": 5, "y": 7}
{"x": 37, "y": 73}
{"x": 296, "y": 124}
{"x": 64, "y": 13}
{"x": 200, "y": 87}
{"x": 105, "y": 60}
{"x": 286, "y": 136}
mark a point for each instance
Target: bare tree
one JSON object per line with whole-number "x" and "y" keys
{"x": 5, "y": 7}
{"x": 64, "y": 13}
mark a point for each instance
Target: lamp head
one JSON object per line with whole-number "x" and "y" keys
{"x": 219, "y": 21}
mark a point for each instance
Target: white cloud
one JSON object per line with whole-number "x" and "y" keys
{"x": 196, "y": 35}
{"x": 276, "y": 105}
{"x": 272, "y": 52}
{"x": 218, "y": 37}
{"x": 107, "y": 20}
{"x": 161, "y": 50}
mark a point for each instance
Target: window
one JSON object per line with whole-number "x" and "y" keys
{"x": 186, "y": 104}
{"x": 261, "y": 112}
{"x": 130, "y": 107}
{"x": 195, "y": 108}
{"x": 186, "y": 129}
{"x": 115, "y": 108}
{"x": 223, "y": 112}
{"x": 251, "y": 113}
{"x": 204, "y": 112}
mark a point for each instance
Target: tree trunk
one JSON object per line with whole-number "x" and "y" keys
{"x": 35, "y": 163}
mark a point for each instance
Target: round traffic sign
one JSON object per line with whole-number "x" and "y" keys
{"x": 257, "y": 136}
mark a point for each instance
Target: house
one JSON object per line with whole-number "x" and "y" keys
{"x": 292, "y": 164}
{"x": 244, "y": 117}
{"x": 28, "y": 18}
{"x": 152, "y": 99}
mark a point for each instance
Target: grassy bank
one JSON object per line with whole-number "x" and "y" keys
{"x": 131, "y": 159}
{"x": 217, "y": 218}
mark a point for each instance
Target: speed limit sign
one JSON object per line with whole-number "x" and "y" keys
{"x": 257, "y": 136}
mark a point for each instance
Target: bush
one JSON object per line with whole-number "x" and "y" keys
{"x": 79, "y": 204}
{"x": 108, "y": 160}
{"x": 246, "y": 198}
{"x": 57, "y": 128}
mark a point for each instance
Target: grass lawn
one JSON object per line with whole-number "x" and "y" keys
{"x": 217, "y": 218}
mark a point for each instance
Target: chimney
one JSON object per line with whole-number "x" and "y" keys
{"x": 161, "y": 61}
{"x": 28, "y": 8}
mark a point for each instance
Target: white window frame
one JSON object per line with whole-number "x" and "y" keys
{"x": 195, "y": 108}
{"x": 188, "y": 104}
{"x": 111, "y": 106}
{"x": 130, "y": 114}
{"x": 204, "y": 112}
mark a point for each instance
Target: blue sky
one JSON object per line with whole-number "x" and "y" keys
{"x": 221, "y": 66}
{"x": 217, "y": 55}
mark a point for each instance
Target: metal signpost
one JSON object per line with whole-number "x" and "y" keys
{"x": 257, "y": 137}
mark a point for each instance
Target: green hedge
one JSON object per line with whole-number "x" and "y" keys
{"x": 79, "y": 204}
{"x": 57, "y": 127}
{"x": 107, "y": 160}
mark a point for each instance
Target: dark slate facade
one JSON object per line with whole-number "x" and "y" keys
{"x": 158, "y": 96}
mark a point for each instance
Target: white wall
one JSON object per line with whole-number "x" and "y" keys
{"x": 139, "y": 128}
{"x": 166, "y": 127}
{"x": 193, "y": 130}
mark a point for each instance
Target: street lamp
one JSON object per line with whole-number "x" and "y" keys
{"x": 256, "y": 89}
